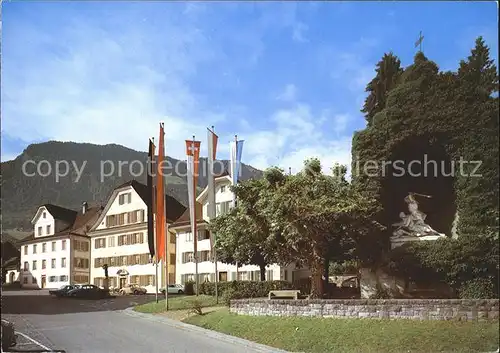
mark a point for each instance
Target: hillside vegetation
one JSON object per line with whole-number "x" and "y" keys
{"x": 22, "y": 194}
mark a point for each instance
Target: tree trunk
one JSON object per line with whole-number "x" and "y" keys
{"x": 326, "y": 274}
{"x": 262, "y": 272}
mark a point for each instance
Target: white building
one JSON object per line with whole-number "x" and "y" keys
{"x": 120, "y": 240}
{"x": 185, "y": 266}
{"x": 58, "y": 252}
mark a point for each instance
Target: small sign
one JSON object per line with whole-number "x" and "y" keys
{"x": 122, "y": 272}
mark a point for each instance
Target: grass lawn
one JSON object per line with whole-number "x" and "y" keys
{"x": 176, "y": 303}
{"x": 299, "y": 334}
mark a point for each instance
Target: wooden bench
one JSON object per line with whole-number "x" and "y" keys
{"x": 280, "y": 294}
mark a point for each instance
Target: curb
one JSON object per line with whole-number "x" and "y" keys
{"x": 213, "y": 334}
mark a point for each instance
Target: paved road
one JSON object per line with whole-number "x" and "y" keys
{"x": 103, "y": 326}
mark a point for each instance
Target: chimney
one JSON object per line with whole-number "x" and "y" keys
{"x": 85, "y": 207}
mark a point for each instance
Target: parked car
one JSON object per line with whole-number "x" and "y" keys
{"x": 88, "y": 291}
{"x": 9, "y": 337}
{"x": 133, "y": 289}
{"x": 174, "y": 289}
{"x": 63, "y": 290}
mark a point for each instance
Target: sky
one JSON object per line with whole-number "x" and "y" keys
{"x": 288, "y": 78}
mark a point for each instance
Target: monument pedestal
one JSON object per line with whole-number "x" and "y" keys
{"x": 395, "y": 242}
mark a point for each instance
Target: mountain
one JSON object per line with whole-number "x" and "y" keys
{"x": 23, "y": 192}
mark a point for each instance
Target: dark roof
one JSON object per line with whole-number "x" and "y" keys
{"x": 174, "y": 209}
{"x": 61, "y": 213}
{"x": 185, "y": 218}
{"x": 79, "y": 226}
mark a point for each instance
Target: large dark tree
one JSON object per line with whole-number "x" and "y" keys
{"x": 388, "y": 73}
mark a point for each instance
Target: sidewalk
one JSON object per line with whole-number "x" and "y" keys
{"x": 256, "y": 347}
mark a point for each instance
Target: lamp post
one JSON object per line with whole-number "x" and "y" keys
{"x": 106, "y": 277}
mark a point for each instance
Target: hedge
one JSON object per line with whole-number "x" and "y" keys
{"x": 244, "y": 289}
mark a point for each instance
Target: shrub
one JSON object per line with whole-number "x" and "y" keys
{"x": 228, "y": 294}
{"x": 479, "y": 288}
{"x": 189, "y": 288}
{"x": 452, "y": 261}
{"x": 244, "y": 289}
{"x": 196, "y": 307}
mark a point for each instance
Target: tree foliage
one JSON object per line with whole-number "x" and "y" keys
{"x": 452, "y": 111}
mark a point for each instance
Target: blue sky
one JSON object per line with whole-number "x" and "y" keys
{"x": 288, "y": 78}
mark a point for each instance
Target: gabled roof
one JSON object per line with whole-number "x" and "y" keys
{"x": 81, "y": 224}
{"x": 185, "y": 218}
{"x": 58, "y": 212}
{"x": 174, "y": 208}
{"x": 219, "y": 179}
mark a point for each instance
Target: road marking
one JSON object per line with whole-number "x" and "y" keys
{"x": 34, "y": 341}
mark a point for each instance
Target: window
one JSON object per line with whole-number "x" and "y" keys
{"x": 63, "y": 247}
{"x": 111, "y": 242}
{"x": 223, "y": 189}
{"x": 172, "y": 238}
{"x": 187, "y": 257}
{"x": 81, "y": 263}
{"x": 222, "y": 208}
{"x": 63, "y": 278}
{"x": 25, "y": 280}
{"x": 203, "y": 234}
{"x": 204, "y": 256}
{"x": 26, "y": 266}
{"x": 132, "y": 217}
{"x": 142, "y": 216}
{"x": 48, "y": 229}
{"x": 44, "y": 264}
{"x": 189, "y": 236}
{"x": 26, "y": 250}
{"x": 39, "y": 230}
{"x": 81, "y": 279}
{"x": 34, "y": 248}
{"x": 53, "y": 246}
{"x": 110, "y": 221}
{"x": 33, "y": 266}
{"x": 44, "y": 215}
{"x": 130, "y": 239}
{"x": 52, "y": 279}
{"x": 81, "y": 245}
{"x": 172, "y": 259}
{"x": 100, "y": 243}
{"x": 33, "y": 280}
{"x": 63, "y": 262}
{"x": 125, "y": 198}
{"x": 44, "y": 247}
{"x": 53, "y": 263}
{"x": 269, "y": 275}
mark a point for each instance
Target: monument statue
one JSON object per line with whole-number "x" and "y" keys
{"x": 413, "y": 224}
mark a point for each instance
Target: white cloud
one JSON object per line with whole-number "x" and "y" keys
{"x": 298, "y": 30}
{"x": 289, "y": 93}
{"x": 297, "y": 135}
{"x": 102, "y": 87}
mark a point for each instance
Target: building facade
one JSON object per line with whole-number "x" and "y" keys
{"x": 58, "y": 251}
{"x": 185, "y": 266}
{"x": 119, "y": 239}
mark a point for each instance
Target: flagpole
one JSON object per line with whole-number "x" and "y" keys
{"x": 234, "y": 183}
{"x": 211, "y": 205}
{"x": 195, "y": 236}
{"x": 153, "y": 203}
{"x": 156, "y": 257}
{"x": 166, "y": 230}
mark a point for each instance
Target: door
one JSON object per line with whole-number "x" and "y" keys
{"x": 223, "y": 276}
{"x": 123, "y": 282}
{"x": 44, "y": 281}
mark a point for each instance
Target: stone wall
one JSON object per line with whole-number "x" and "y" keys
{"x": 416, "y": 309}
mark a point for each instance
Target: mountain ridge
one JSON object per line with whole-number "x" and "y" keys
{"x": 22, "y": 194}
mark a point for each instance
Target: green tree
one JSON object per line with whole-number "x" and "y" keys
{"x": 388, "y": 71}
{"x": 479, "y": 70}
{"x": 243, "y": 235}
{"x": 315, "y": 217}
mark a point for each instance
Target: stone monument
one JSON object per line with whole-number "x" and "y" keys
{"x": 412, "y": 226}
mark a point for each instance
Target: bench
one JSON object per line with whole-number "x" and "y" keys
{"x": 276, "y": 294}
